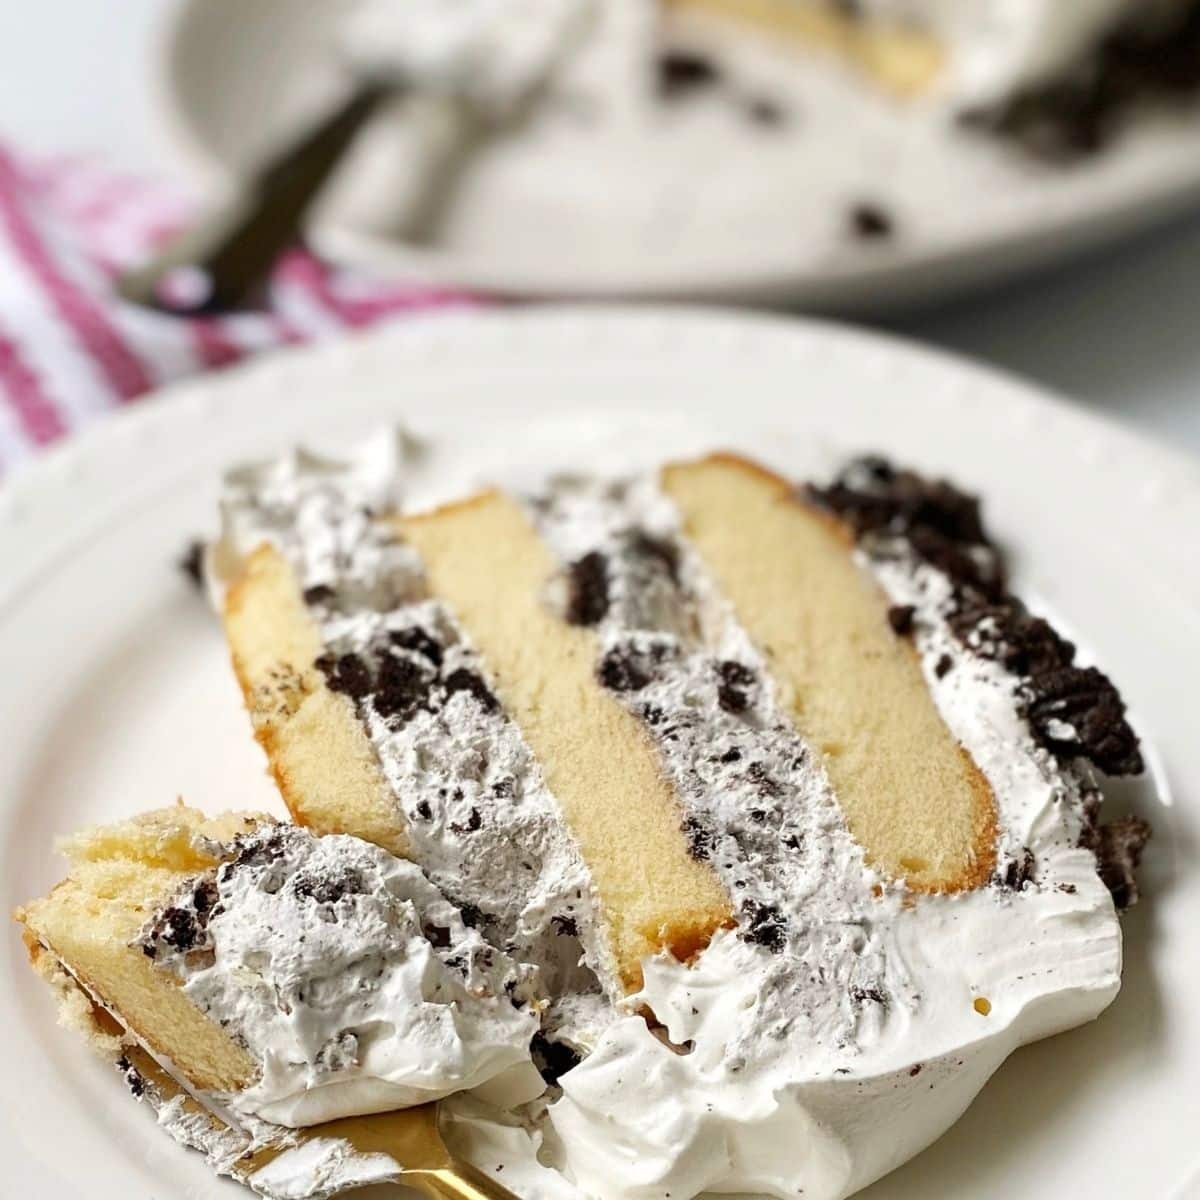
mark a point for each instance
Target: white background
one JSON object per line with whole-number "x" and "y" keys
{"x": 1119, "y": 332}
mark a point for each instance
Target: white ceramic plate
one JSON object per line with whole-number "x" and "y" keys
{"x": 115, "y": 694}
{"x": 690, "y": 200}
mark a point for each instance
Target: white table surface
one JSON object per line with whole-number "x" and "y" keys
{"x": 1118, "y": 332}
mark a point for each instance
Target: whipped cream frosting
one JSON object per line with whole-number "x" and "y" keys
{"x": 844, "y": 1023}
{"x": 495, "y": 50}
{"x": 350, "y": 979}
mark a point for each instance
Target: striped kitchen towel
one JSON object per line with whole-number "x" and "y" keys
{"x": 71, "y": 350}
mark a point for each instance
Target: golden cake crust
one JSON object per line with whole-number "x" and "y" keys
{"x": 317, "y": 751}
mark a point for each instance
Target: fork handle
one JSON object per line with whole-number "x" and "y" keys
{"x": 235, "y": 247}
{"x": 458, "y": 1182}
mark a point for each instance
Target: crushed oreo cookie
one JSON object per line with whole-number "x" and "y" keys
{"x": 329, "y": 888}
{"x": 1078, "y": 712}
{"x": 766, "y": 112}
{"x": 682, "y": 73}
{"x": 900, "y": 618}
{"x": 763, "y": 924}
{"x": 553, "y": 1059}
{"x": 1118, "y": 846}
{"x": 319, "y": 594}
{"x": 663, "y": 553}
{"x": 191, "y": 563}
{"x": 346, "y": 673}
{"x": 134, "y": 1079}
{"x": 1074, "y": 712}
{"x": 734, "y": 685}
{"x": 1017, "y": 872}
{"x": 419, "y": 641}
{"x": 1079, "y": 113}
{"x": 871, "y": 223}
{"x": 402, "y": 678}
{"x": 587, "y": 590}
{"x": 565, "y": 926}
{"x": 401, "y": 687}
{"x": 472, "y": 824}
{"x": 871, "y": 995}
{"x": 623, "y": 669}
{"x": 700, "y": 838}
{"x": 463, "y": 680}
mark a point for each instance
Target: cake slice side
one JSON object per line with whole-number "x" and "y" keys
{"x": 487, "y": 563}
{"x": 912, "y": 796}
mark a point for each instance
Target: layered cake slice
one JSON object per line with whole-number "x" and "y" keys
{"x": 790, "y": 807}
{"x": 889, "y": 46}
{"x": 275, "y": 980}
{"x": 1026, "y": 64}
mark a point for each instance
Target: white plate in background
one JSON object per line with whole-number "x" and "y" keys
{"x": 688, "y": 200}
{"x": 115, "y": 693}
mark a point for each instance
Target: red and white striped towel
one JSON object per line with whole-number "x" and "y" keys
{"x": 71, "y": 350}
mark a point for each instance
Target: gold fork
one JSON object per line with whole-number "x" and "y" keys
{"x": 409, "y": 1137}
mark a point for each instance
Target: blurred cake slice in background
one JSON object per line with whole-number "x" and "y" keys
{"x": 978, "y": 52}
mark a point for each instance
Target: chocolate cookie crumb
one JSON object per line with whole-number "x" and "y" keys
{"x": 733, "y": 688}
{"x": 764, "y": 925}
{"x": 347, "y": 674}
{"x": 1078, "y": 712}
{"x": 657, "y": 550}
{"x": 565, "y": 926}
{"x": 681, "y": 73}
{"x": 133, "y": 1077}
{"x": 943, "y": 666}
{"x": 1018, "y": 871}
{"x": 402, "y": 687}
{"x": 901, "y": 618}
{"x": 473, "y": 823}
{"x": 700, "y": 838}
{"x": 438, "y": 936}
{"x": 871, "y": 222}
{"x": 622, "y": 671}
{"x": 553, "y": 1059}
{"x": 587, "y": 590}
{"x": 462, "y": 680}
{"x": 319, "y": 593}
{"x": 1118, "y": 846}
{"x": 419, "y": 642}
{"x": 766, "y": 112}
{"x": 191, "y": 563}
{"x": 872, "y": 995}
{"x": 329, "y": 889}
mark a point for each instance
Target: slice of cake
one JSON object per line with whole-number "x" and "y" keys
{"x": 789, "y": 805}
{"x": 890, "y": 47}
{"x": 281, "y": 977}
{"x": 1027, "y": 59}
